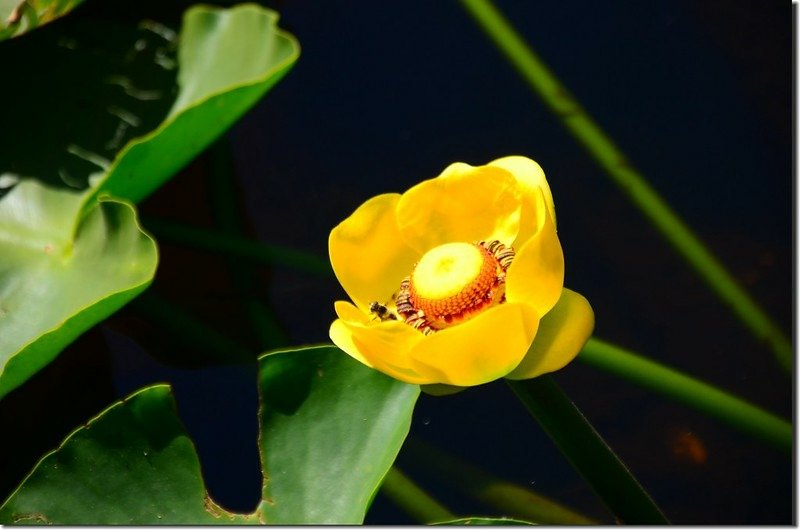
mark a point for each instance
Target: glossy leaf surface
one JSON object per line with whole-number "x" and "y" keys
{"x": 116, "y": 82}
{"x": 132, "y": 464}
{"x": 134, "y": 102}
{"x": 228, "y": 60}
{"x": 330, "y": 430}
{"x": 59, "y": 277}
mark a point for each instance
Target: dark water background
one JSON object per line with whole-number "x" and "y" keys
{"x": 698, "y": 94}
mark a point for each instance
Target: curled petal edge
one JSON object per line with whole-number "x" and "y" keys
{"x": 537, "y": 199}
{"x": 443, "y": 209}
{"x": 562, "y": 333}
{"x": 383, "y": 346}
{"x": 536, "y": 277}
{"x": 367, "y": 253}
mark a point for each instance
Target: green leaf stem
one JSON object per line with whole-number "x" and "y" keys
{"x": 415, "y": 501}
{"x": 587, "y": 451}
{"x": 484, "y": 521}
{"x": 238, "y": 247}
{"x": 504, "y": 497}
{"x": 692, "y": 392}
{"x": 606, "y": 153}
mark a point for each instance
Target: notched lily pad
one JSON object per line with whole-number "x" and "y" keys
{"x": 228, "y": 60}
{"x": 328, "y": 424}
{"x": 91, "y": 112}
{"x": 96, "y": 101}
{"x": 59, "y": 277}
{"x": 132, "y": 464}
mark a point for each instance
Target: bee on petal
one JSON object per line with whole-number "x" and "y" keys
{"x": 381, "y": 311}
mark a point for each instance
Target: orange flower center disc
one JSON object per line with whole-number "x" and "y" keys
{"x": 452, "y": 283}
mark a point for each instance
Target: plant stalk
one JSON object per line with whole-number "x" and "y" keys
{"x": 237, "y": 247}
{"x": 211, "y": 344}
{"x": 512, "y": 500}
{"x": 413, "y": 499}
{"x": 696, "y": 394}
{"x": 605, "y": 356}
{"x": 587, "y": 451}
{"x": 229, "y": 219}
{"x": 600, "y": 146}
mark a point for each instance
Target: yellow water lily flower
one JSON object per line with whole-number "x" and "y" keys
{"x": 459, "y": 280}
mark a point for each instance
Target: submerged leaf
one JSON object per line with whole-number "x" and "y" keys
{"x": 123, "y": 106}
{"x": 94, "y": 115}
{"x": 82, "y": 89}
{"x": 228, "y": 60}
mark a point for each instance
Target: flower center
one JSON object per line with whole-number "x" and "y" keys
{"x": 453, "y": 283}
{"x": 446, "y": 271}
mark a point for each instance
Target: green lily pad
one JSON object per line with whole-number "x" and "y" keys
{"x": 20, "y": 16}
{"x": 330, "y": 430}
{"x": 116, "y": 123}
{"x": 136, "y": 446}
{"x": 82, "y": 89}
{"x": 113, "y": 107}
{"x": 228, "y": 59}
{"x": 58, "y": 277}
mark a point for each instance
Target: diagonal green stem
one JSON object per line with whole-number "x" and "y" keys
{"x": 587, "y": 451}
{"x": 669, "y": 382}
{"x": 547, "y": 86}
{"x": 229, "y": 219}
{"x": 237, "y": 247}
{"x": 413, "y": 499}
{"x": 689, "y": 391}
{"x": 511, "y": 499}
{"x": 208, "y": 342}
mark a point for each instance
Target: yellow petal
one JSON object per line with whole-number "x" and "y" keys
{"x": 531, "y": 178}
{"x": 562, "y": 333}
{"x": 382, "y": 345}
{"x": 536, "y": 276}
{"x": 342, "y": 336}
{"x": 464, "y": 203}
{"x": 368, "y": 254}
{"x": 397, "y": 336}
{"x": 479, "y": 350}
{"x": 349, "y": 312}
